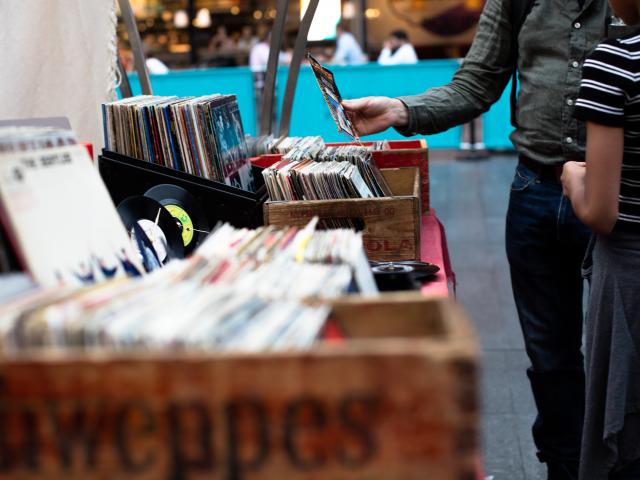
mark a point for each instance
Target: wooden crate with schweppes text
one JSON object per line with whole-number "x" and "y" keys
{"x": 390, "y": 225}
{"x": 393, "y": 398}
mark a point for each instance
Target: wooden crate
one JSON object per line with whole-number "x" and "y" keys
{"x": 401, "y": 153}
{"x": 405, "y": 153}
{"x": 395, "y": 401}
{"x": 391, "y": 224}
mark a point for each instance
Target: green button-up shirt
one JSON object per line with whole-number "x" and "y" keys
{"x": 553, "y": 42}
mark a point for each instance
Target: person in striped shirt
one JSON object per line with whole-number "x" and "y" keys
{"x": 605, "y": 194}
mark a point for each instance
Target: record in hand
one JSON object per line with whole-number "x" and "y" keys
{"x": 157, "y": 223}
{"x": 331, "y": 95}
{"x": 186, "y": 210}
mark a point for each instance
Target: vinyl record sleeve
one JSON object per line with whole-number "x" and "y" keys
{"x": 60, "y": 217}
{"x": 332, "y": 97}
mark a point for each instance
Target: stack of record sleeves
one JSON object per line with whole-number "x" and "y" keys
{"x": 268, "y": 144}
{"x": 231, "y": 295}
{"x": 313, "y": 172}
{"x": 202, "y": 136}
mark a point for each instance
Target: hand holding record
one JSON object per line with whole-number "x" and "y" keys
{"x": 331, "y": 95}
{"x": 371, "y": 115}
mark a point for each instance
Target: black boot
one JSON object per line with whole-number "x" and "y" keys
{"x": 557, "y": 431}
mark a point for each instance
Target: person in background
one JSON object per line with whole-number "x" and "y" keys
{"x": 545, "y": 241}
{"x": 605, "y": 194}
{"x": 247, "y": 39}
{"x": 221, "y": 43}
{"x": 258, "y": 60}
{"x": 259, "y": 55}
{"x": 154, "y": 65}
{"x": 348, "y": 51}
{"x": 398, "y": 50}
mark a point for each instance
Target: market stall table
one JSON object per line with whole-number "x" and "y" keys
{"x": 433, "y": 249}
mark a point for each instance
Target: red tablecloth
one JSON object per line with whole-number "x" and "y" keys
{"x": 433, "y": 249}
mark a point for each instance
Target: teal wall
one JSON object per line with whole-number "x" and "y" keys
{"x": 310, "y": 114}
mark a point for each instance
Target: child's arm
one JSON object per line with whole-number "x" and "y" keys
{"x": 594, "y": 192}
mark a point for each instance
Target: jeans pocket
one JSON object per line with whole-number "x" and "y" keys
{"x": 522, "y": 179}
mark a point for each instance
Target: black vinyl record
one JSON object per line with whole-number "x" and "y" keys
{"x": 157, "y": 223}
{"x": 186, "y": 210}
{"x": 393, "y": 277}
{"x": 402, "y": 275}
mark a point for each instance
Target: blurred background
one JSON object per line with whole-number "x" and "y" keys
{"x": 209, "y": 33}
{"x": 374, "y": 47}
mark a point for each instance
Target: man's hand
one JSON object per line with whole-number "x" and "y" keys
{"x": 375, "y": 114}
{"x": 573, "y": 178}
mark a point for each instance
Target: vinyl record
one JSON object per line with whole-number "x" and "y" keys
{"x": 186, "y": 211}
{"x": 421, "y": 271}
{"x": 393, "y": 277}
{"x": 156, "y": 222}
{"x": 391, "y": 269}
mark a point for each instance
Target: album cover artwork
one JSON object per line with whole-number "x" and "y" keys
{"x": 331, "y": 94}
{"x": 60, "y": 218}
{"x": 201, "y": 136}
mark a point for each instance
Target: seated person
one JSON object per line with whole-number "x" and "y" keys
{"x": 398, "y": 50}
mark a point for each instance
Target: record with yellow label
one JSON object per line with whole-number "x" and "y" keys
{"x": 186, "y": 211}
{"x": 156, "y": 223}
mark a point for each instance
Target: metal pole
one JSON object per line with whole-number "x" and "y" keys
{"x": 294, "y": 68}
{"x": 125, "y": 86}
{"x": 362, "y": 7}
{"x": 136, "y": 46}
{"x": 266, "y": 114}
{"x": 357, "y": 23}
{"x": 191, "y": 29}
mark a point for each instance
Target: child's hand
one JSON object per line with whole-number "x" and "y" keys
{"x": 573, "y": 177}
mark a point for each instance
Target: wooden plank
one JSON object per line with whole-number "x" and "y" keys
{"x": 403, "y": 406}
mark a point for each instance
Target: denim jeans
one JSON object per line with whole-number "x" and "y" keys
{"x": 545, "y": 246}
{"x": 632, "y": 472}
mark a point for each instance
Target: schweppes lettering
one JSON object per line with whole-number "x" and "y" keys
{"x": 138, "y": 437}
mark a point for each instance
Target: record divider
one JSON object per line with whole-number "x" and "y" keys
{"x": 125, "y": 176}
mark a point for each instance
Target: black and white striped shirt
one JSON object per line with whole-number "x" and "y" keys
{"x": 610, "y": 95}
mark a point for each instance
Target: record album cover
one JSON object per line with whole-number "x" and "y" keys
{"x": 60, "y": 218}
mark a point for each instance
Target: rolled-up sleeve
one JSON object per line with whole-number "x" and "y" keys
{"x": 478, "y": 83}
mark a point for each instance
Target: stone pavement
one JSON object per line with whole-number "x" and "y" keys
{"x": 470, "y": 198}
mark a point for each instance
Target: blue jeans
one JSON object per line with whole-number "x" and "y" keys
{"x": 545, "y": 246}
{"x": 632, "y": 472}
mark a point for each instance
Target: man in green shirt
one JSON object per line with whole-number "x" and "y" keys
{"x": 544, "y": 240}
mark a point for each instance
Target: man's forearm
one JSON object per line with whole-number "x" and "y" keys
{"x": 437, "y": 110}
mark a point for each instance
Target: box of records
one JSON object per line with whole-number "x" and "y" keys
{"x": 385, "y": 154}
{"x": 403, "y": 153}
{"x": 390, "y": 224}
{"x": 195, "y": 144}
{"x": 395, "y": 399}
{"x": 120, "y": 360}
